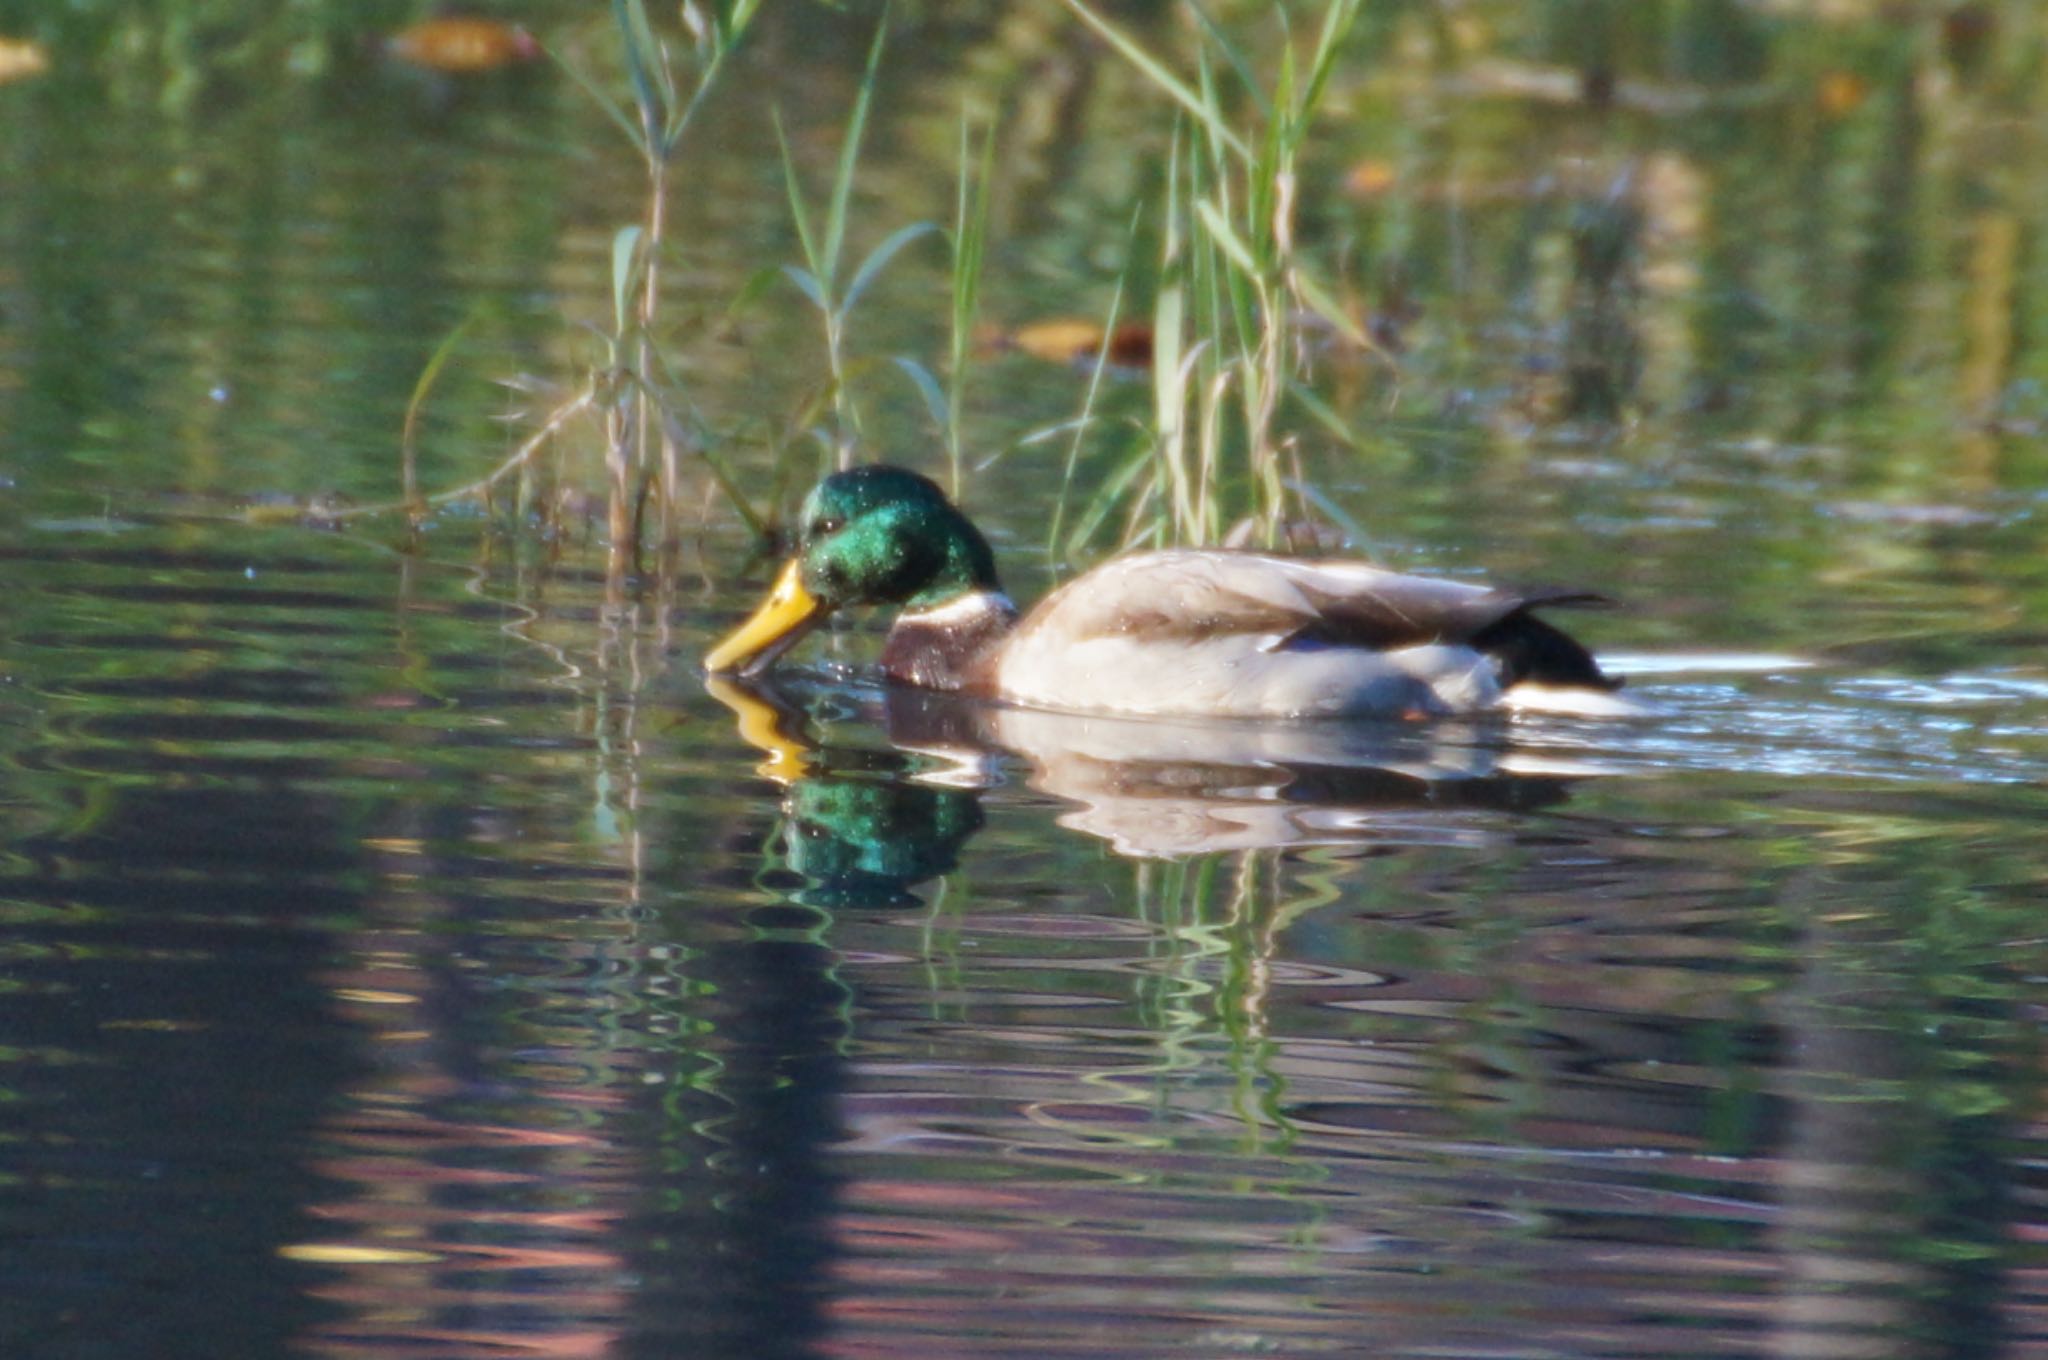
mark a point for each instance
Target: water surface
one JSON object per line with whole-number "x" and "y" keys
{"x": 406, "y": 955}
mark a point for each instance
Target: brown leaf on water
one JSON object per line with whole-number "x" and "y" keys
{"x": 1062, "y": 341}
{"x": 1968, "y": 32}
{"x": 1370, "y": 178}
{"x": 1841, "y": 92}
{"x": 21, "y": 58}
{"x": 1075, "y": 340}
{"x": 1130, "y": 345}
{"x": 462, "y": 45}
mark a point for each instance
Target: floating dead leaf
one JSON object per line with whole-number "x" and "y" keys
{"x": 1841, "y": 92}
{"x": 1061, "y": 341}
{"x": 459, "y": 46}
{"x": 1077, "y": 341}
{"x": 1967, "y": 32}
{"x": 1370, "y": 178}
{"x": 21, "y": 58}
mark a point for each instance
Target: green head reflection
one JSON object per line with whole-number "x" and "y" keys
{"x": 860, "y": 828}
{"x": 867, "y": 841}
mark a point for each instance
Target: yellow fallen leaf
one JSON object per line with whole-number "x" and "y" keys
{"x": 463, "y": 45}
{"x": 1369, "y": 178}
{"x": 1077, "y": 341}
{"x": 20, "y": 57}
{"x": 1841, "y": 92}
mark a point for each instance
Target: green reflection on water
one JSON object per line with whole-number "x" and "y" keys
{"x": 1744, "y": 338}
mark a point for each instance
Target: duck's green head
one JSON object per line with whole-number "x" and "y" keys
{"x": 869, "y": 535}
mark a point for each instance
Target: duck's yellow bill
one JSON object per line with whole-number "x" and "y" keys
{"x": 784, "y": 617}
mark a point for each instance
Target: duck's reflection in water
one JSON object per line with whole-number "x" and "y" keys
{"x": 1449, "y": 1089}
{"x": 861, "y": 841}
{"x": 1151, "y": 788}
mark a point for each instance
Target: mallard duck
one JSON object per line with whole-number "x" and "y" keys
{"x": 1183, "y": 631}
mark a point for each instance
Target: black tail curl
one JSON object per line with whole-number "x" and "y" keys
{"x": 1531, "y": 650}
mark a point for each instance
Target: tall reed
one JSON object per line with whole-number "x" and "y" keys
{"x": 1233, "y": 287}
{"x": 819, "y": 277}
{"x": 969, "y": 245}
{"x": 644, "y": 435}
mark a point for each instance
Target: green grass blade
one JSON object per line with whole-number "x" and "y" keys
{"x": 1337, "y": 23}
{"x": 849, "y": 154}
{"x": 1169, "y": 308}
{"x": 757, "y": 285}
{"x": 970, "y": 232}
{"x": 1086, "y": 419}
{"x": 1105, "y": 500}
{"x": 1207, "y": 92}
{"x": 408, "y": 442}
{"x": 1276, "y": 159}
{"x": 612, "y": 108}
{"x": 1238, "y": 63}
{"x": 970, "y": 240}
{"x": 726, "y": 35}
{"x": 735, "y": 24}
{"x": 626, "y": 267}
{"x": 1207, "y": 114}
{"x": 643, "y": 58}
{"x": 807, "y": 283}
{"x": 659, "y": 388}
{"x": 799, "y": 212}
{"x": 878, "y": 260}
{"x": 721, "y": 472}
{"x": 1326, "y": 416}
{"x": 1225, "y": 236}
{"x": 1329, "y": 309}
{"x": 927, "y": 387}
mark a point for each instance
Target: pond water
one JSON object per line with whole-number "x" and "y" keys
{"x": 407, "y": 954}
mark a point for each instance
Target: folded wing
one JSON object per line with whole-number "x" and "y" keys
{"x": 1286, "y": 603}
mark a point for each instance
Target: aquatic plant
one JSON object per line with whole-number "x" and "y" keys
{"x": 969, "y": 243}
{"x": 823, "y": 245}
{"x": 1227, "y": 323}
{"x": 647, "y": 420}
{"x": 642, "y": 412}
{"x": 462, "y": 44}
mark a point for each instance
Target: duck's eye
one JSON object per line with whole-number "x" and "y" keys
{"x": 826, "y": 524}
